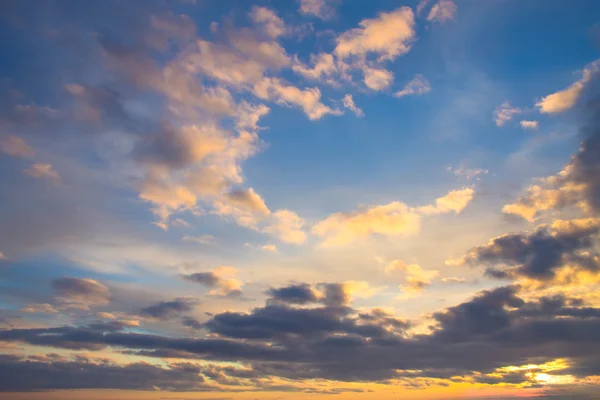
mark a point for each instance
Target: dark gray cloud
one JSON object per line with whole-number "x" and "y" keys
{"x": 541, "y": 254}
{"x": 301, "y": 293}
{"x": 496, "y": 328}
{"x": 85, "y": 292}
{"x": 168, "y": 309}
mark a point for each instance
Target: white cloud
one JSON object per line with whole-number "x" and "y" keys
{"x": 388, "y": 36}
{"x": 323, "y": 66}
{"x": 505, "y": 112}
{"x": 287, "y": 226}
{"x": 416, "y": 279}
{"x": 467, "y": 173}
{"x": 202, "y": 239}
{"x": 323, "y": 9}
{"x": 529, "y": 124}
{"x": 348, "y": 102}
{"x": 377, "y": 78}
{"x": 268, "y": 21}
{"x": 16, "y": 147}
{"x": 443, "y": 10}
{"x": 43, "y": 171}
{"x": 455, "y": 200}
{"x": 417, "y": 86}
{"x": 565, "y": 99}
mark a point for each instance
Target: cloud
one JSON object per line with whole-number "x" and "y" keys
{"x": 505, "y": 112}
{"x": 166, "y": 310}
{"x": 268, "y": 21}
{"x": 417, "y": 86}
{"x": 455, "y": 200}
{"x": 387, "y": 36}
{"x": 221, "y": 281}
{"x": 44, "y": 308}
{"x": 541, "y": 254}
{"x": 415, "y": 277}
{"x": 43, "y": 171}
{"x": 271, "y": 248}
{"x": 248, "y": 198}
{"x": 287, "y": 226}
{"x": 567, "y": 98}
{"x": 377, "y": 78}
{"x": 468, "y": 173}
{"x": 202, "y": 239}
{"x": 16, "y": 147}
{"x": 529, "y": 124}
{"x": 301, "y": 293}
{"x": 453, "y": 279}
{"x": 323, "y": 9}
{"x": 2, "y": 256}
{"x": 393, "y": 219}
{"x": 80, "y": 292}
{"x": 324, "y": 66}
{"x": 443, "y": 10}
{"x": 348, "y": 102}
{"x": 309, "y": 99}
{"x": 497, "y": 327}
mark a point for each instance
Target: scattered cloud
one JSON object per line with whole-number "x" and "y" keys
{"x": 455, "y": 200}
{"x": 202, "y": 239}
{"x": 166, "y": 310}
{"x": 505, "y": 112}
{"x": 417, "y": 86}
{"x": 271, "y": 248}
{"x": 81, "y": 292}
{"x": 529, "y": 124}
{"x": 323, "y": 9}
{"x": 443, "y": 10}
{"x": 416, "y": 279}
{"x": 16, "y": 147}
{"x": 221, "y": 281}
{"x": 43, "y": 171}
{"x": 467, "y": 173}
{"x": 567, "y": 98}
{"x": 349, "y": 104}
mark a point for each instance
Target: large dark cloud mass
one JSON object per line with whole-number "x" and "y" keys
{"x": 496, "y": 328}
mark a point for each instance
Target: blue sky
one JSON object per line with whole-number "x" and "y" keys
{"x": 415, "y": 174}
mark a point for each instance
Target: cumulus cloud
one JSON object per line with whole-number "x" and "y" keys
{"x": 388, "y": 36}
{"x": 16, "y": 147}
{"x": 348, "y": 102}
{"x": 43, "y": 171}
{"x": 567, "y": 98}
{"x": 323, "y": 67}
{"x": 287, "y": 226}
{"x": 221, "y": 281}
{"x": 394, "y": 219}
{"x": 505, "y": 112}
{"x": 455, "y": 200}
{"x": 323, "y": 9}
{"x": 301, "y": 293}
{"x": 529, "y": 124}
{"x": 443, "y": 10}
{"x": 268, "y": 21}
{"x": 540, "y": 255}
{"x": 166, "y": 310}
{"x": 377, "y": 78}
{"x": 81, "y": 293}
{"x": 415, "y": 277}
{"x": 417, "y": 86}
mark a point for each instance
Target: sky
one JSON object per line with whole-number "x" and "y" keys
{"x": 300, "y": 199}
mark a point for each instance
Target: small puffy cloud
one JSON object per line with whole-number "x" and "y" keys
{"x": 377, "y": 78}
{"x": 301, "y": 293}
{"x": 323, "y": 9}
{"x": 393, "y": 219}
{"x": 342, "y": 294}
{"x": 455, "y": 200}
{"x": 348, "y": 102}
{"x": 529, "y": 124}
{"x": 2, "y": 256}
{"x": 248, "y": 198}
{"x": 221, "y": 281}
{"x": 271, "y": 248}
{"x": 417, "y": 86}
{"x": 467, "y": 173}
{"x": 323, "y": 67}
{"x": 81, "y": 293}
{"x": 421, "y": 6}
{"x": 287, "y": 226}
{"x": 567, "y": 98}
{"x": 43, "y": 171}
{"x": 415, "y": 277}
{"x": 202, "y": 239}
{"x": 16, "y": 147}
{"x": 388, "y": 36}
{"x": 166, "y": 310}
{"x": 453, "y": 279}
{"x": 505, "y": 112}
{"x": 181, "y": 223}
{"x": 309, "y": 99}
{"x": 443, "y": 10}
{"x": 268, "y": 21}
